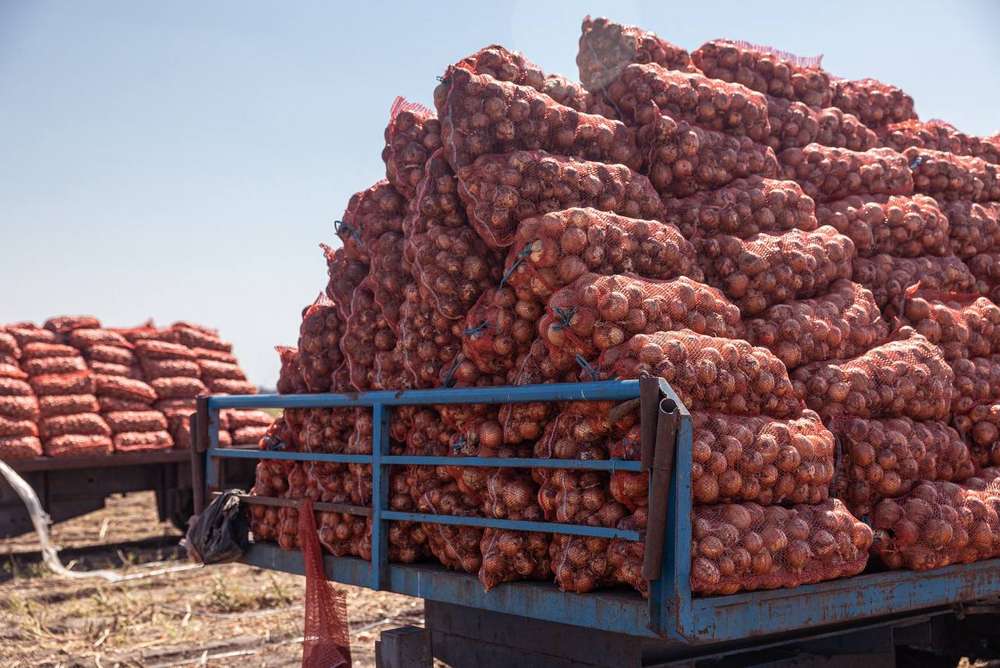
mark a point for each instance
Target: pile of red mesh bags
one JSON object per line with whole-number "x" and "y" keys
{"x": 272, "y": 482}
{"x": 683, "y": 159}
{"x": 973, "y": 228}
{"x": 642, "y": 92}
{"x": 18, "y": 404}
{"x": 501, "y": 190}
{"x": 877, "y": 104}
{"x": 826, "y": 173}
{"x": 903, "y": 226}
{"x": 794, "y": 124}
{"x": 742, "y": 209}
{"x": 962, "y": 326}
{"x": 843, "y": 323}
{"x": 938, "y": 524}
{"x": 745, "y": 546}
{"x": 767, "y": 70}
{"x": 985, "y": 268}
{"x": 173, "y": 372}
{"x": 891, "y": 278}
{"x": 937, "y": 136}
{"x": 370, "y": 213}
{"x": 949, "y": 176}
{"x": 319, "y": 354}
{"x": 218, "y": 367}
{"x": 764, "y": 269}
{"x": 69, "y": 423}
{"x": 606, "y": 48}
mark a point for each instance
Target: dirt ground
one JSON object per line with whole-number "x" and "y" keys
{"x": 181, "y": 615}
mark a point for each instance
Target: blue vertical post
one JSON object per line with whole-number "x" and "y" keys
{"x": 380, "y": 495}
{"x": 677, "y": 611}
{"x": 212, "y": 466}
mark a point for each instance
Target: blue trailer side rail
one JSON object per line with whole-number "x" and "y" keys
{"x": 671, "y": 612}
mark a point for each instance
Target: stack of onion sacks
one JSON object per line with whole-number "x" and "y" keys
{"x": 901, "y": 226}
{"x": 964, "y": 326}
{"x": 828, "y": 174}
{"x": 877, "y": 104}
{"x": 412, "y": 135}
{"x": 18, "y": 405}
{"x": 951, "y": 176}
{"x": 319, "y": 344}
{"x": 891, "y": 278}
{"x": 973, "y": 227}
{"x": 794, "y": 124}
{"x": 606, "y": 48}
{"x": 938, "y": 136}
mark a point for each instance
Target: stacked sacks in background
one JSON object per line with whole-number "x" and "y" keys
{"x": 173, "y": 372}
{"x": 217, "y": 366}
{"x": 18, "y": 404}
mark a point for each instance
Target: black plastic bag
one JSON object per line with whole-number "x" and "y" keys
{"x": 220, "y": 534}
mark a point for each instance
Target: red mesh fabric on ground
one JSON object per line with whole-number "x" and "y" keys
{"x": 606, "y": 48}
{"x": 884, "y": 459}
{"x": 843, "y": 323}
{"x": 765, "y": 270}
{"x": 745, "y": 547}
{"x": 891, "y": 278}
{"x": 481, "y": 115}
{"x": 326, "y": 642}
{"x": 766, "y": 70}
{"x": 973, "y": 228}
{"x": 794, "y": 125}
{"x": 412, "y": 135}
{"x": 875, "y": 103}
{"x": 962, "y": 325}
{"x": 370, "y": 214}
{"x": 708, "y": 373}
{"x": 937, "y": 136}
{"x": 904, "y": 378}
{"x": 682, "y": 159}
{"x": 499, "y": 191}
{"x": 828, "y": 174}
{"x": 903, "y": 226}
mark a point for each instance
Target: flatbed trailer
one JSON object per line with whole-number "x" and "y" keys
{"x": 884, "y": 618}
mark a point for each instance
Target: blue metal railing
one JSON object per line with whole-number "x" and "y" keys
{"x": 670, "y": 594}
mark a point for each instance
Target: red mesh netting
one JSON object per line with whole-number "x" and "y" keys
{"x": 366, "y": 333}
{"x": 428, "y": 341}
{"x": 327, "y": 429}
{"x": 642, "y": 92}
{"x": 595, "y": 313}
{"x": 194, "y": 336}
{"x": 213, "y": 371}
{"x": 25, "y": 334}
{"x": 412, "y": 135}
{"x": 499, "y": 329}
{"x": 154, "y": 349}
{"x": 8, "y": 346}
{"x": 683, "y": 159}
{"x": 83, "y": 339}
{"x": 64, "y": 324}
{"x": 319, "y": 344}
{"x": 481, "y": 115}
{"x": 370, "y": 214}
{"x": 890, "y": 278}
{"x": 938, "y": 136}
{"x": 951, "y": 176}
{"x": 579, "y": 563}
{"x": 981, "y": 428}
{"x": 290, "y": 378}
{"x": 513, "y": 555}
{"x": 761, "y": 459}
{"x": 9, "y": 368}
{"x": 743, "y": 208}
{"x": 845, "y": 322}
{"x": 110, "y": 354}
{"x": 606, "y": 48}
{"x": 345, "y": 274}
{"x": 84, "y": 424}
{"x": 904, "y": 226}
{"x": 53, "y": 365}
{"x": 765, "y": 270}
{"x": 388, "y": 275}
{"x": 170, "y": 368}
{"x": 766, "y": 70}
{"x": 874, "y": 102}
{"x": 433, "y": 490}
{"x": 14, "y": 387}
{"x": 794, "y": 125}
{"x": 178, "y": 388}
{"x": 884, "y": 459}
{"x": 21, "y": 407}
{"x": 902, "y": 378}
{"x": 391, "y": 372}
{"x": 972, "y": 228}
{"x": 745, "y": 547}
{"x": 120, "y": 421}
{"x": 214, "y": 355}
{"x": 17, "y": 427}
{"x": 977, "y": 381}
{"x": 525, "y": 421}
{"x": 127, "y": 389}
{"x": 144, "y": 441}
{"x": 19, "y": 447}
{"x": 937, "y": 524}
{"x": 961, "y": 325}
{"x": 326, "y": 639}
{"x": 625, "y": 557}
{"x": 70, "y": 383}
{"x": 501, "y": 190}
{"x": 985, "y": 267}
{"x": 77, "y": 445}
{"x": 708, "y": 373}
{"x": 827, "y": 174}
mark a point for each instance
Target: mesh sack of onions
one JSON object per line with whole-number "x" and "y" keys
{"x": 82, "y": 382}
{"x": 937, "y": 524}
{"x": 39, "y": 366}
{"x": 683, "y": 159}
{"x": 642, "y": 92}
{"x": 481, "y": 115}
{"x": 828, "y": 174}
{"x": 391, "y": 372}
{"x": 326, "y": 429}
{"x": 708, "y": 373}
{"x": 17, "y": 427}
{"x": 950, "y": 177}
{"x": 903, "y": 378}
{"x": 271, "y": 481}
{"x": 497, "y": 62}
{"x": 794, "y": 125}
{"x": 366, "y": 333}
{"x": 288, "y": 516}
{"x": 513, "y": 555}
{"x": 625, "y": 557}
{"x": 370, "y": 214}
{"x": 429, "y": 341}
{"x": 629, "y": 488}
{"x": 766, "y": 269}
{"x": 890, "y": 278}
{"x": 981, "y": 429}
{"x": 434, "y": 491}
{"x": 524, "y": 422}
{"x": 962, "y": 325}
{"x": 25, "y": 407}
{"x": 973, "y": 228}
{"x": 843, "y": 323}
{"x": 171, "y": 368}
{"x": 937, "y": 136}
{"x": 77, "y": 445}
{"x": 339, "y": 533}
{"x": 388, "y": 276}
{"x": 761, "y": 459}
{"x": 743, "y": 208}
{"x": 498, "y": 330}
{"x": 500, "y": 191}
{"x": 606, "y": 48}
{"x": 884, "y": 459}
{"x": 290, "y": 377}
{"x": 985, "y": 267}
{"x": 875, "y": 103}
{"x": 144, "y": 441}
{"x": 319, "y": 344}
{"x": 9, "y": 346}
{"x": 977, "y": 381}
{"x": 766, "y": 70}
{"x": 19, "y": 447}
{"x": 346, "y": 274}
{"x": 25, "y": 333}
{"x": 553, "y": 250}
{"x": 904, "y": 226}
{"x": 64, "y": 324}
{"x": 596, "y": 313}
{"x": 745, "y": 546}
{"x": 412, "y": 135}
{"x": 579, "y": 563}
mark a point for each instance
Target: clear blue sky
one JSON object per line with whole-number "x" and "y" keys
{"x": 184, "y": 159}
